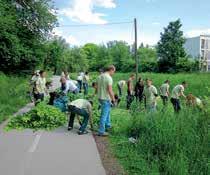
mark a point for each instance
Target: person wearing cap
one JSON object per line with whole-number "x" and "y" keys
{"x": 81, "y": 107}
{"x": 177, "y": 92}
{"x": 151, "y": 94}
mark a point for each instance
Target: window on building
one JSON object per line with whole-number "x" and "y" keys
{"x": 202, "y": 54}
{"x": 208, "y": 44}
{"x": 208, "y": 55}
{"x": 203, "y": 44}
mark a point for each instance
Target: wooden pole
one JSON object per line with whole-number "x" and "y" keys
{"x": 135, "y": 49}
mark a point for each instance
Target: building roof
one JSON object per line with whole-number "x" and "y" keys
{"x": 203, "y": 35}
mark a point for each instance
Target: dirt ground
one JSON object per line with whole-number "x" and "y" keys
{"x": 110, "y": 163}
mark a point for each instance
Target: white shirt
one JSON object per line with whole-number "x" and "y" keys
{"x": 70, "y": 86}
{"x": 177, "y": 91}
{"x": 121, "y": 83}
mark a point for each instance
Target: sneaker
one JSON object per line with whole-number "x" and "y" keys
{"x": 82, "y": 132}
{"x": 70, "y": 128}
{"x": 105, "y": 134}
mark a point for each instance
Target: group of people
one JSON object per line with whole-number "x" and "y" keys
{"x": 143, "y": 91}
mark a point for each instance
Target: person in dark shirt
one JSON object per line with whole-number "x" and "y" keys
{"x": 139, "y": 88}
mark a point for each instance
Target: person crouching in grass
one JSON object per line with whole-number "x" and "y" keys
{"x": 178, "y": 92}
{"x": 151, "y": 94}
{"x": 82, "y": 108}
{"x": 194, "y": 102}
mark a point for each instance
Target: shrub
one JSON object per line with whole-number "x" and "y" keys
{"x": 41, "y": 117}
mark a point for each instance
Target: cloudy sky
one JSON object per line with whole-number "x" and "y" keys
{"x": 152, "y": 16}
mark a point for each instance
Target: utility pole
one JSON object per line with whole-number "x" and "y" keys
{"x": 135, "y": 49}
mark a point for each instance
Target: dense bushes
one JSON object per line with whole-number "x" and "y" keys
{"x": 41, "y": 117}
{"x": 13, "y": 94}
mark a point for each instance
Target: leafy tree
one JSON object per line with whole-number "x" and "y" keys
{"x": 120, "y": 53}
{"x": 24, "y": 26}
{"x": 170, "y": 47}
{"x": 55, "y": 50}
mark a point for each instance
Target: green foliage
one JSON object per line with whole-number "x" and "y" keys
{"x": 187, "y": 65}
{"x": 23, "y": 28}
{"x": 170, "y": 47}
{"x": 167, "y": 143}
{"x": 41, "y": 117}
{"x": 13, "y": 94}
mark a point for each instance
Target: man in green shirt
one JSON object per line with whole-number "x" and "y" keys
{"x": 82, "y": 108}
{"x": 150, "y": 93}
{"x": 105, "y": 96}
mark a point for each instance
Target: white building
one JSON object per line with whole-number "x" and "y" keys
{"x": 199, "y": 47}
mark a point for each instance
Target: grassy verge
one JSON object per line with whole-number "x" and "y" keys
{"x": 13, "y": 95}
{"x": 166, "y": 143}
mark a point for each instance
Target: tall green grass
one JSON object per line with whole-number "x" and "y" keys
{"x": 13, "y": 94}
{"x": 167, "y": 143}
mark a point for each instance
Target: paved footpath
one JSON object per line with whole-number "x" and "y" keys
{"x": 48, "y": 153}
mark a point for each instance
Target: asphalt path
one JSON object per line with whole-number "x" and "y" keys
{"x": 58, "y": 152}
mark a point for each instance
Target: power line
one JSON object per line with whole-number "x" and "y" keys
{"x": 87, "y": 25}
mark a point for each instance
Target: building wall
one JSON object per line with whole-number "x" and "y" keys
{"x": 192, "y": 47}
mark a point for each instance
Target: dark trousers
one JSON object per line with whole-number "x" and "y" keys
{"x": 130, "y": 99}
{"x": 164, "y": 99}
{"x": 38, "y": 97}
{"x": 81, "y": 112}
{"x": 119, "y": 90}
{"x": 85, "y": 86}
{"x": 176, "y": 104}
{"x": 80, "y": 85}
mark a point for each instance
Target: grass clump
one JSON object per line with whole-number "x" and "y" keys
{"x": 41, "y": 117}
{"x": 166, "y": 143}
{"x": 13, "y": 94}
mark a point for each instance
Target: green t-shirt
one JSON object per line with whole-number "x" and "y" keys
{"x": 104, "y": 80}
{"x": 164, "y": 88}
{"x": 150, "y": 94}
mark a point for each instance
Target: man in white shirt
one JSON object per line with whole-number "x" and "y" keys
{"x": 40, "y": 87}
{"x": 68, "y": 86}
{"x": 120, "y": 86}
{"x": 164, "y": 92}
{"x": 178, "y": 92}
{"x": 151, "y": 94}
{"x": 79, "y": 80}
{"x": 82, "y": 108}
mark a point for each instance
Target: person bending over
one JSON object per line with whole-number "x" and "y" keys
{"x": 68, "y": 86}
{"x": 178, "y": 92}
{"x": 120, "y": 86}
{"x": 82, "y": 108}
